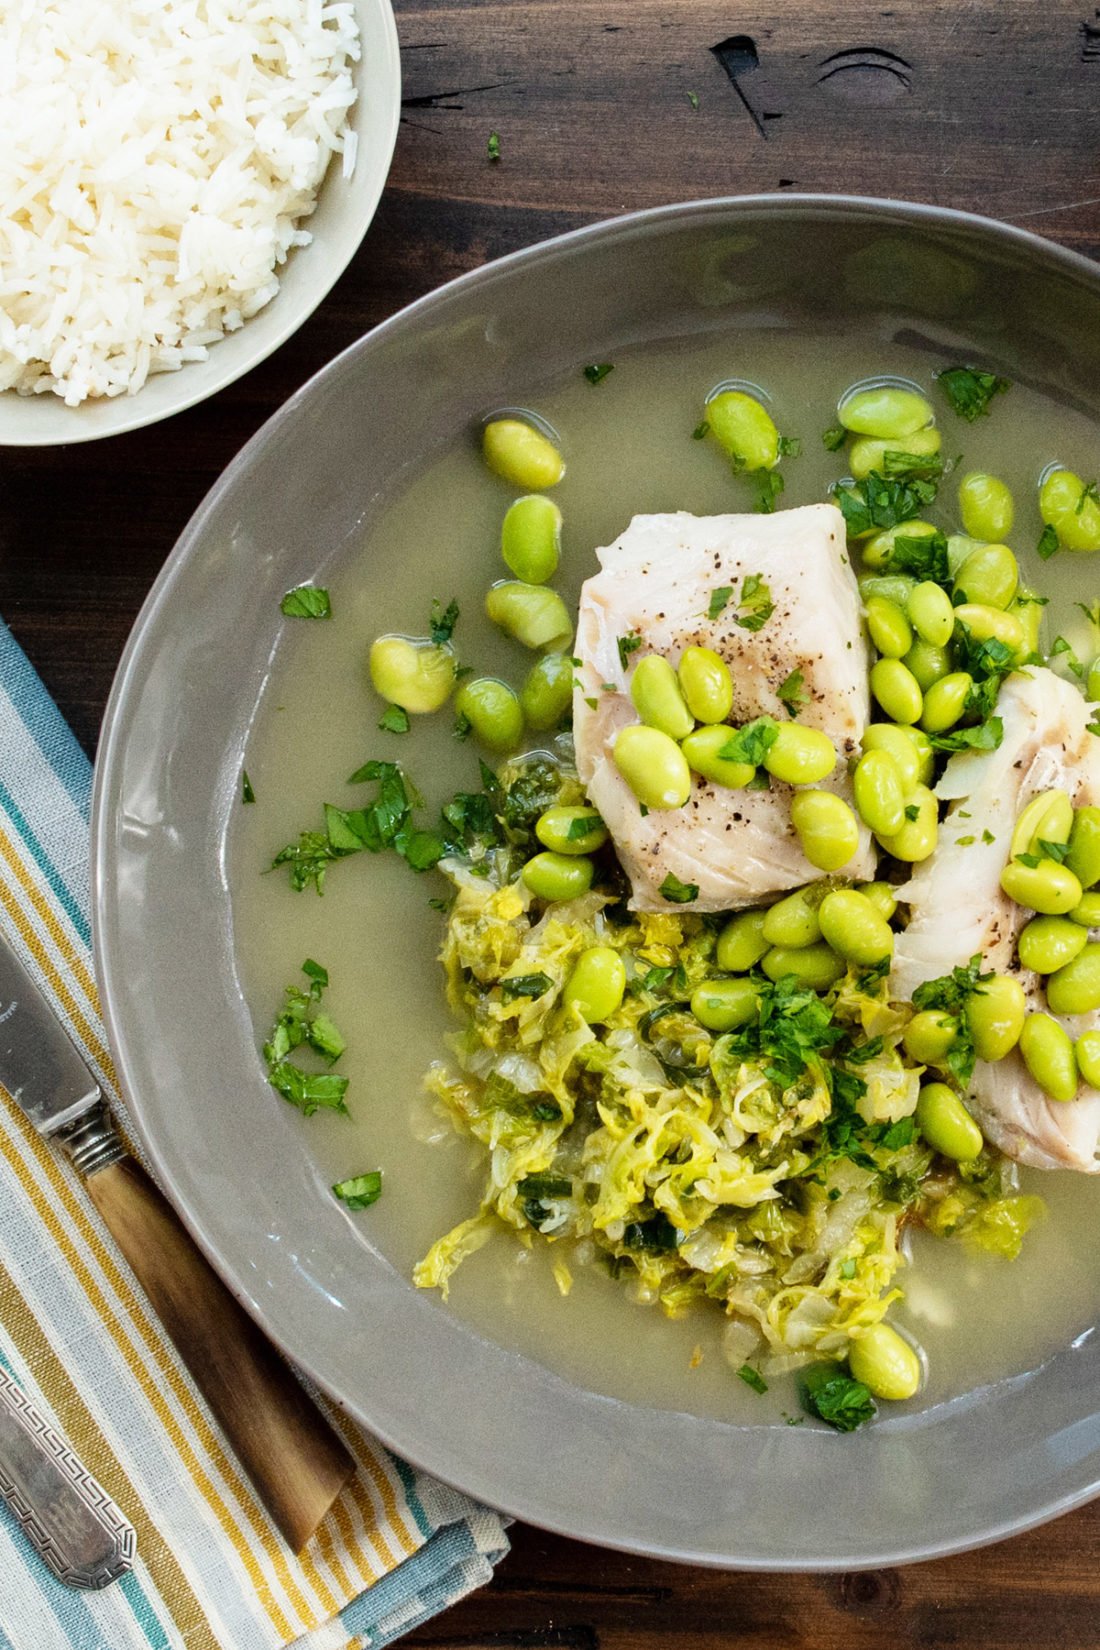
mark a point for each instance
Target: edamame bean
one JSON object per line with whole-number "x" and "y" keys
{"x": 945, "y": 701}
{"x": 947, "y": 1125}
{"x": 492, "y": 711}
{"x": 880, "y": 792}
{"x": 1087, "y": 912}
{"x": 869, "y": 452}
{"x": 744, "y": 429}
{"x": 1083, "y": 854}
{"x": 1048, "y": 943}
{"x": 1049, "y": 1056}
{"x": 881, "y": 895}
{"x": 1092, "y": 682}
{"x": 886, "y": 1364}
{"x": 657, "y": 697}
{"x": 706, "y": 684}
{"x": 547, "y": 693}
{"x": 653, "y": 765}
{"x": 558, "y": 876}
{"x": 888, "y": 628}
{"x": 703, "y": 750}
{"x": 878, "y": 548}
{"x": 531, "y": 614}
{"x": 1087, "y": 1050}
{"x": 1049, "y": 888}
{"x": 985, "y": 505}
{"x": 792, "y": 922}
{"x": 741, "y": 944}
{"x": 521, "y": 454}
{"x": 897, "y": 690}
{"x": 571, "y": 830}
{"x": 723, "y": 1005}
{"x": 826, "y": 827}
{"x": 995, "y": 1012}
{"x": 1067, "y": 505}
{"x": 886, "y": 411}
{"x": 412, "y": 672}
{"x": 887, "y": 736}
{"x": 1029, "y": 610}
{"x": 989, "y": 576}
{"x": 1075, "y": 989}
{"x": 854, "y": 929}
{"x": 1048, "y": 817}
{"x": 813, "y": 966}
{"x": 991, "y": 624}
{"x": 929, "y": 1035}
{"x": 800, "y": 756}
{"x": 931, "y": 614}
{"x": 530, "y": 538}
{"x": 894, "y": 587}
{"x": 596, "y": 984}
{"x": 927, "y": 664}
{"x": 917, "y": 837}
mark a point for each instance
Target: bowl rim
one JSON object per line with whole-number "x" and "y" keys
{"x": 386, "y": 51}
{"x": 108, "y": 763}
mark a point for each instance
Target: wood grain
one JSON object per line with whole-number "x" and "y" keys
{"x": 294, "y": 1459}
{"x": 987, "y": 105}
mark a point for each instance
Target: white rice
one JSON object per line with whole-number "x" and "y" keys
{"x": 156, "y": 160}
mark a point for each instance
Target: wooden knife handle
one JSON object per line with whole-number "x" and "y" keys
{"x": 295, "y": 1460}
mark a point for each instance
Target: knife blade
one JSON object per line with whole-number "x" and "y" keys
{"x": 295, "y": 1460}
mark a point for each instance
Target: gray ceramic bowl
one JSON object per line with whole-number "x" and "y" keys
{"x": 476, "y": 1413}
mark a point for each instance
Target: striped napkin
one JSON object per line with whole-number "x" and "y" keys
{"x": 212, "y": 1573}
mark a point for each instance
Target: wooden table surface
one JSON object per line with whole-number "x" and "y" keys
{"x": 989, "y": 105}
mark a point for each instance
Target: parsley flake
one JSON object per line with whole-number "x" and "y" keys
{"x": 443, "y": 621}
{"x": 833, "y": 1396}
{"x": 769, "y": 485}
{"x": 701, "y": 431}
{"x": 879, "y": 502}
{"x": 247, "y": 793}
{"x": 719, "y": 596}
{"x": 834, "y": 437}
{"x": 306, "y": 601}
{"x": 754, "y": 605}
{"x": 752, "y": 1377}
{"x": 302, "y": 1023}
{"x": 394, "y": 720}
{"x": 492, "y": 148}
{"x": 970, "y": 391}
{"x": 693, "y": 99}
{"x": 361, "y": 1190}
{"x": 1061, "y": 646}
{"x": 751, "y": 743}
{"x": 677, "y": 892}
{"x": 792, "y": 692}
{"x": 627, "y": 645}
{"x": 598, "y": 371}
{"x": 524, "y": 985}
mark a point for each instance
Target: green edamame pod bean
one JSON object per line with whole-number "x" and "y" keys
{"x": 917, "y": 837}
{"x": 927, "y": 664}
{"x": 558, "y": 876}
{"x": 1048, "y": 817}
{"x": 657, "y": 697}
{"x": 854, "y": 929}
{"x": 1029, "y": 610}
{"x": 792, "y": 922}
{"x": 931, "y": 614}
{"x": 723, "y": 1005}
{"x": 521, "y": 454}
{"x": 1087, "y": 911}
{"x": 929, "y": 1035}
{"x": 897, "y": 690}
{"x": 547, "y": 693}
{"x": 653, "y": 765}
{"x": 887, "y": 736}
{"x": 995, "y": 1012}
{"x": 880, "y": 792}
{"x": 703, "y": 750}
{"x": 991, "y": 624}
{"x": 744, "y": 429}
{"x": 945, "y": 701}
{"x": 1083, "y": 855}
{"x": 571, "y": 830}
{"x": 492, "y": 711}
{"x": 1067, "y": 505}
{"x": 1075, "y": 989}
{"x": 826, "y": 827}
{"x": 741, "y": 944}
{"x": 877, "y": 549}
{"x": 888, "y": 628}
{"x": 596, "y": 984}
{"x": 1049, "y": 1056}
{"x": 869, "y": 452}
{"x": 800, "y": 756}
{"x": 881, "y": 895}
{"x": 531, "y": 614}
{"x": 1049, "y": 888}
{"x": 1092, "y": 682}
{"x": 530, "y": 538}
{"x": 885, "y": 1363}
{"x": 886, "y": 411}
{"x": 989, "y": 576}
{"x": 1049, "y": 943}
{"x": 1087, "y": 1050}
{"x": 706, "y": 684}
{"x": 947, "y": 1125}
{"x": 813, "y": 966}
{"x": 412, "y": 672}
{"x": 892, "y": 587}
{"x": 986, "y": 508}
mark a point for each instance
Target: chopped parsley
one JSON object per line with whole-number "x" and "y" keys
{"x": 827, "y": 1391}
{"x": 654, "y": 1237}
{"x": 752, "y": 1377}
{"x": 751, "y": 743}
{"x": 986, "y": 736}
{"x": 927, "y": 465}
{"x": 306, "y": 601}
{"x": 790, "y": 446}
{"x": 769, "y": 485}
{"x": 627, "y": 645}
{"x": 1061, "y": 646}
{"x": 970, "y": 391}
{"x": 387, "y": 822}
{"x": 492, "y": 148}
{"x": 302, "y": 1022}
{"x": 463, "y": 726}
{"x": 677, "y": 892}
{"x": 524, "y": 985}
{"x": 754, "y": 605}
{"x": 361, "y": 1190}
{"x": 1048, "y": 543}
{"x": 394, "y": 719}
{"x": 1057, "y": 851}
{"x": 443, "y": 621}
{"x": 792, "y": 1027}
{"x": 792, "y": 692}
{"x": 1091, "y": 612}
{"x": 1089, "y": 491}
{"x": 950, "y": 994}
{"x": 247, "y": 793}
{"x": 879, "y": 502}
{"x": 719, "y": 596}
{"x": 693, "y": 99}
{"x": 912, "y": 811}
{"x": 545, "y": 1185}
{"x": 921, "y": 557}
{"x": 834, "y": 437}
{"x": 598, "y": 371}
{"x": 701, "y": 431}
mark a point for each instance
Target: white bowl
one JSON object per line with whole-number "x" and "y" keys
{"x": 344, "y": 212}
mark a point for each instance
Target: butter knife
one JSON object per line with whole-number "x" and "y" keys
{"x": 295, "y": 1460}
